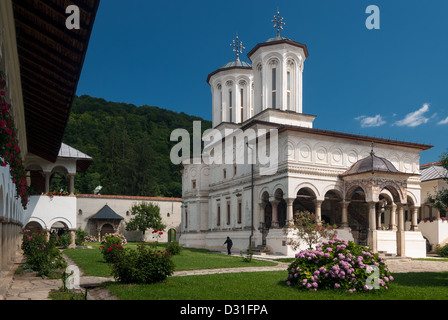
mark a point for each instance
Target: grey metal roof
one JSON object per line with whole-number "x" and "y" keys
{"x": 371, "y": 163}
{"x": 236, "y": 63}
{"x": 69, "y": 152}
{"x": 107, "y": 213}
{"x": 433, "y": 172}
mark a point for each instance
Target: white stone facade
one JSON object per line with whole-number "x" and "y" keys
{"x": 236, "y": 200}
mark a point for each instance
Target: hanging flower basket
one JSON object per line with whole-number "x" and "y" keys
{"x": 9, "y": 148}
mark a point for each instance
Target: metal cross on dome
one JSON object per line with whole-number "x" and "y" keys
{"x": 237, "y": 47}
{"x": 278, "y": 23}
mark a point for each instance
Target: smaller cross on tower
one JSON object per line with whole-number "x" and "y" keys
{"x": 278, "y": 23}
{"x": 237, "y": 47}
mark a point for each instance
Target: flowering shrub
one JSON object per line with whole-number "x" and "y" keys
{"x": 442, "y": 250}
{"x": 112, "y": 246}
{"x": 143, "y": 265}
{"x": 306, "y": 228}
{"x": 90, "y": 239}
{"x": 41, "y": 255}
{"x": 338, "y": 264}
{"x": 9, "y": 148}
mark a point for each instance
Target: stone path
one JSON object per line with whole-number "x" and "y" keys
{"x": 29, "y": 287}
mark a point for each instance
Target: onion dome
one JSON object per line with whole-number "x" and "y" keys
{"x": 371, "y": 163}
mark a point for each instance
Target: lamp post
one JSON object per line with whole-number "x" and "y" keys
{"x": 252, "y": 197}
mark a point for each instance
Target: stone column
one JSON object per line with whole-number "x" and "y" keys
{"x": 372, "y": 239}
{"x": 73, "y": 238}
{"x": 261, "y": 214}
{"x": 289, "y": 210}
{"x": 71, "y": 177}
{"x": 393, "y": 215}
{"x": 345, "y": 205}
{"x": 47, "y": 176}
{"x": 400, "y": 231}
{"x": 378, "y": 222}
{"x": 274, "y": 204}
{"x": 318, "y": 212}
{"x": 414, "y": 223}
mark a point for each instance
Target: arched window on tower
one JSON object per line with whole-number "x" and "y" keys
{"x": 290, "y": 76}
{"x": 219, "y": 87}
{"x": 243, "y": 86}
{"x": 230, "y": 105}
{"x": 273, "y": 85}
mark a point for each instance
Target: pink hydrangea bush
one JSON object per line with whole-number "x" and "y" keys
{"x": 341, "y": 265}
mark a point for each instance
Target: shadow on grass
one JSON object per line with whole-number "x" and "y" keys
{"x": 422, "y": 279}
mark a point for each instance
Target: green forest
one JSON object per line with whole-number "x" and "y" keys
{"x": 130, "y": 146}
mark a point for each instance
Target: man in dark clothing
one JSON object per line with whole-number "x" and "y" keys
{"x": 229, "y": 245}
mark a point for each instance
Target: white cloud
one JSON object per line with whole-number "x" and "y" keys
{"x": 415, "y": 118}
{"x": 444, "y": 121}
{"x": 375, "y": 121}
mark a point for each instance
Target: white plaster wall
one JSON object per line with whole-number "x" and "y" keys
{"x": 170, "y": 210}
{"x": 48, "y": 210}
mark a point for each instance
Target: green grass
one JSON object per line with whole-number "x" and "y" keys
{"x": 271, "y": 286}
{"x": 91, "y": 261}
{"x": 248, "y": 285}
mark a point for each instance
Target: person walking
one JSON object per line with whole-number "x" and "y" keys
{"x": 229, "y": 245}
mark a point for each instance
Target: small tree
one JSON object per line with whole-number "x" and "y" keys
{"x": 146, "y": 216}
{"x": 307, "y": 229}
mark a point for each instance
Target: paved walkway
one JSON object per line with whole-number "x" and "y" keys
{"x": 26, "y": 286}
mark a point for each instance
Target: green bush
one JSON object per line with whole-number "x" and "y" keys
{"x": 64, "y": 240}
{"x": 144, "y": 265}
{"x": 338, "y": 264}
{"x": 80, "y": 236}
{"x": 174, "y": 248}
{"x": 41, "y": 255}
{"x": 442, "y": 250}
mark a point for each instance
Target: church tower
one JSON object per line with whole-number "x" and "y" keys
{"x": 268, "y": 89}
{"x": 231, "y": 87}
{"x": 278, "y": 67}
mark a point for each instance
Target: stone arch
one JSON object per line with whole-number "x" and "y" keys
{"x": 394, "y": 189}
{"x": 34, "y": 227}
{"x": 305, "y": 195}
{"x": 105, "y": 228}
{"x": 172, "y": 235}
{"x": 37, "y": 221}
{"x": 67, "y": 223}
{"x": 331, "y": 209}
{"x": 308, "y": 186}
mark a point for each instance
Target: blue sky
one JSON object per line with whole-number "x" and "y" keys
{"x": 390, "y": 83}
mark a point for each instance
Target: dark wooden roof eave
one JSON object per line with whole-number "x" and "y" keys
{"x": 46, "y": 49}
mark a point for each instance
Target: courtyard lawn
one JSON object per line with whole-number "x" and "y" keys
{"x": 91, "y": 261}
{"x": 271, "y": 286}
{"x": 247, "y": 285}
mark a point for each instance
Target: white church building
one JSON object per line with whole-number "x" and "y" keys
{"x": 369, "y": 187}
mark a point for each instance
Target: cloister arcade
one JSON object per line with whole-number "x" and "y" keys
{"x": 360, "y": 208}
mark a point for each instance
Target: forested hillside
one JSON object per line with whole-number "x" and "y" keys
{"x": 130, "y": 146}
